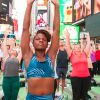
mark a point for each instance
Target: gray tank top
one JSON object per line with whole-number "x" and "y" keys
{"x": 11, "y": 67}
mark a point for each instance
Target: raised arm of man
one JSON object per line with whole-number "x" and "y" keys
{"x": 88, "y": 44}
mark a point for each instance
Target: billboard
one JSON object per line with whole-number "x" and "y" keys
{"x": 96, "y": 6}
{"x": 4, "y": 6}
{"x": 6, "y": 27}
{"x": 93, "y": 25}
{"x": 42, "y": 13}
{"x": 42, "y": 4}
{"x": 42, "y": 18}
{"x": 65, "y": 11}
{"x": 82, "y": 8}
{"x": 73, "y": 30}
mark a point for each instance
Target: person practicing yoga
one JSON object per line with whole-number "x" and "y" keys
{"x": 39, "y": 65}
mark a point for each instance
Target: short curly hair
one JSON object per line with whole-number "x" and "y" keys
{"x": 46, "y": 33}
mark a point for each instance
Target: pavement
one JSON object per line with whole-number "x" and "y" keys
{"x": 94, "y": 92}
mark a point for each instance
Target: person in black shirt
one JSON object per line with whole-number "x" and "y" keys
{"x": 62, "y": 65}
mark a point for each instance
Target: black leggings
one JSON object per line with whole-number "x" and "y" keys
{"x": 55, "y": 86}
{"x": 80, "y": 87}
{"x": 94, "y": 68}
{"x": 98, "y": 66}
{"x": 0, "y": 65}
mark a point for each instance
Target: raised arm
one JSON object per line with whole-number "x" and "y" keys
{"x": 93, "y": 46}
{"x": 5, "y": 52}
{"x": 19, "y": 56}
{"x": 88, "y": 44}
{"x": 25, "y": 40}
{"x": 82, "y": 45}
{"x": 12, "y": 44}
{"x": 55, "y": 37}
{"x": 68, "y": 44}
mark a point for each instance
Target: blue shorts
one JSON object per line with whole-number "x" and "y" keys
{"x": 61, "y": 72}
{"x": 44, "y": 97}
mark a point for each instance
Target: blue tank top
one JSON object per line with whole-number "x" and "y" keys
{"x": 40, "y": 69}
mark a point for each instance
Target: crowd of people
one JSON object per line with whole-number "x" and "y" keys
{"x": 40, "y": 59}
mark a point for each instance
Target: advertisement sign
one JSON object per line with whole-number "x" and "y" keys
{"x": 42, "y": 18}
{"x": 4, "y": 6}
{"x": 82, "y": 8}
{"x": 6, "y": 27}
{"x": 42, "y": 4}
{"x": 15, "y": 21}
{"x": 96, "y": 6}
{"x": 73, "y": 30}
{"x": 65, "y": 11}
{"x": 42, "y": 13}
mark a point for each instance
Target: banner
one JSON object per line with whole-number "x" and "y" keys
{"x": 65, "y": 11}
{"x": 42, "y": 4}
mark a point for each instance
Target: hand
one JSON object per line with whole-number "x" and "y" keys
{"x": 5, "y": 32}
{"x": 81, "y": 40}
{"x": 92, "y": 42}
{"x": 30, "y": 1}
{"x": 67, "y": 33}
{"x": 55, "y": 2}
{"x": 87, "y": 34}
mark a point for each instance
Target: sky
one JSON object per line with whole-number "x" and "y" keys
{"x": 20, "y": 6}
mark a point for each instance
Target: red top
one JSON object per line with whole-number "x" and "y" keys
{"x": 97, "y": 55}
{"x": 80, "y": 65}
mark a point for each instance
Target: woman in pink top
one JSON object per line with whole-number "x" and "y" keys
{"x": 97, "y": 55}
{"x": 80, "y": 77}
{"x": 93, "y": 58}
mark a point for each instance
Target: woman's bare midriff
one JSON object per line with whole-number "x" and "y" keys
{"x": 41, "y": 86}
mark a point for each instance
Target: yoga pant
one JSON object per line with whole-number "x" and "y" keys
{"x": 36, "y": 97}
{"x": 91, "y": 72}
{"x": 80, "y": 87}
{"x": 94, "y": 68}
{"x": 61, "y": 72}
{"x": 55, "y": 86}
{"x": 11, "y": 87}
{"x": 98, "y": 66}
{"x": 0, "y": 65}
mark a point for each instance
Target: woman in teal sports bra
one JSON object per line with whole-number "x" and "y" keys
{"x": 39, "y": 66}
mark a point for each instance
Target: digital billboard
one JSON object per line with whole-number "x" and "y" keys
{"x": 42, "y": 13}
{"x": 96, "y": 6}
{"x": 82, "y": 8}
{"x": 42, "y": 18}
{"x": 73, "y": 30}
{"x": 65, "y": 11}
{"x": 6, "y": 27}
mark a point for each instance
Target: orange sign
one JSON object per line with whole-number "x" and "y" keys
{"x": 42, "y": 3}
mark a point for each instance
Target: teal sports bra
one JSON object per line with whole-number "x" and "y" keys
{"x": 40, "y": 69}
